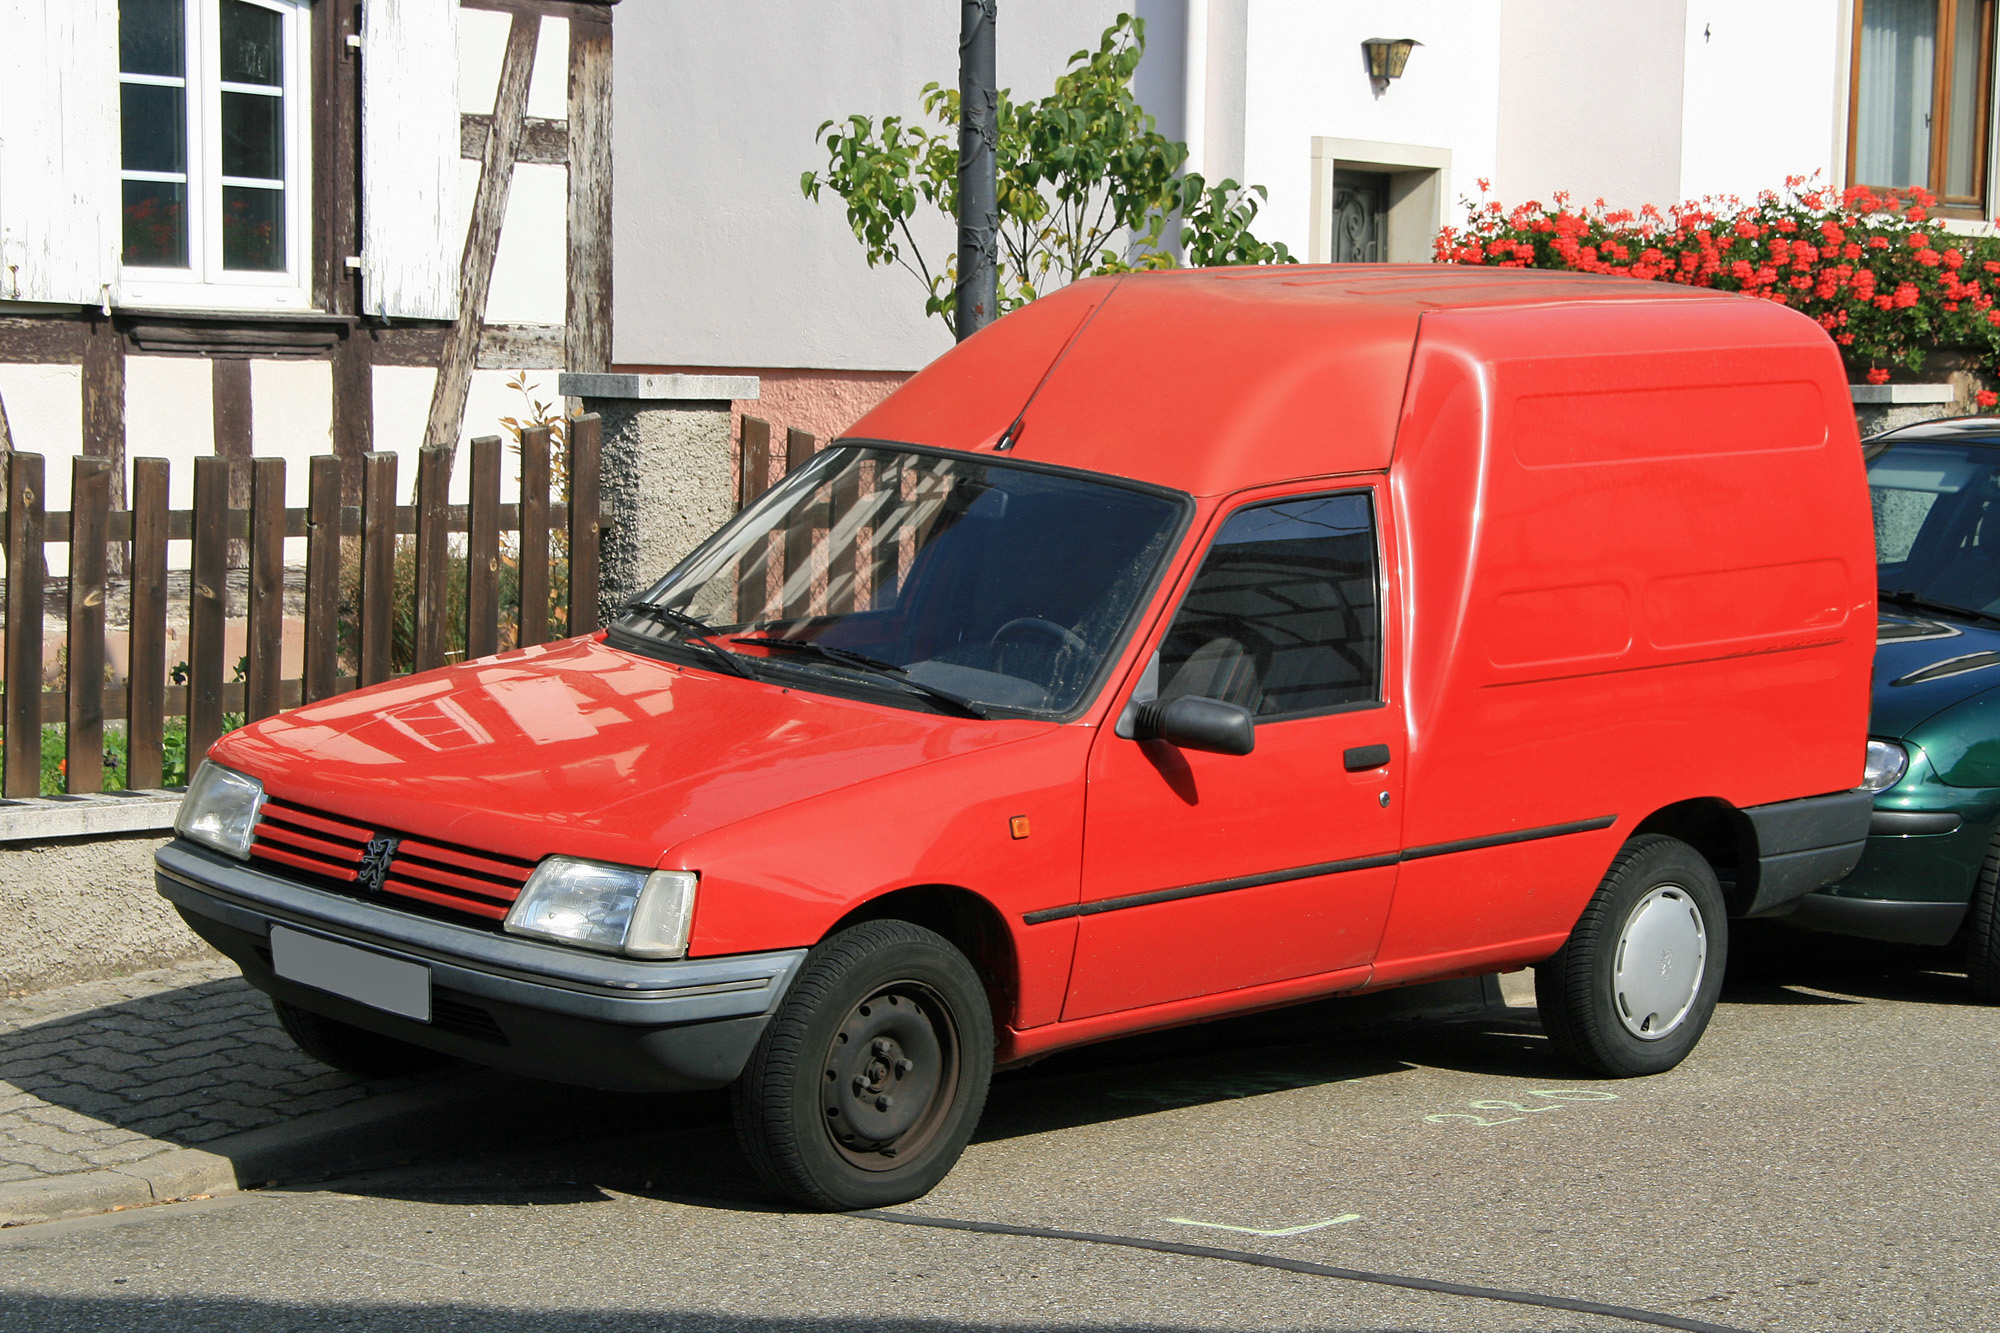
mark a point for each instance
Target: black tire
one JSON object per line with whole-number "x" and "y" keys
{"x": 869, "y": 1079}
{"x": 1982, "y": 928}
{"x": 1579, "y": 989}
{"x": 351, "y": 1049}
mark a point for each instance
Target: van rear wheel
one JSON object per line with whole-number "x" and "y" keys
{"x": 1633, "y": 988}
{"x": 869, "y": 1079}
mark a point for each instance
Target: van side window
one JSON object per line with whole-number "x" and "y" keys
{"x": 1282, "y": 617}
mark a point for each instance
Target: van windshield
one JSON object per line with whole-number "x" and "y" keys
{"x": 960, "y": 584}
{"x": 1937, "y": 522}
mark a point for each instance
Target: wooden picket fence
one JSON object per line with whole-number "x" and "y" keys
{"x": 777, "y": 582}
{"x": 92, "y": 528}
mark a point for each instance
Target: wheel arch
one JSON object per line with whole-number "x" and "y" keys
{"x": 1721, "y": 833}
{"x": 975, "y": 926}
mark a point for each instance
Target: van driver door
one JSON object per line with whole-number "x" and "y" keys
{"x": 1205, "y": 873}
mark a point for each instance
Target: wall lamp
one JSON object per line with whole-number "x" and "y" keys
{"x": 1386, "y": 58}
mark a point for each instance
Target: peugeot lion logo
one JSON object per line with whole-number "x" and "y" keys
{"x": 375, "y": 859}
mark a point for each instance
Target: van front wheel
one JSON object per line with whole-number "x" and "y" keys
{"x": 1632, "y": 989}
{"x": 869, "y": 1079}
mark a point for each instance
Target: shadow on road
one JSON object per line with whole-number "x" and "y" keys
{"x": 683, "y": 1146}
{"x": 30, "y": 1314}
{"x": 182, "y": 1066}
{"x": 689, "y": 1155}
{"x": 1768, "y": 957}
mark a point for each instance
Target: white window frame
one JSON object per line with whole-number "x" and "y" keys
{"x": 205, "y": 284}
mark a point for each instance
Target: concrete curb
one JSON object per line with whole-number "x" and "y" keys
{"x": 460, "y": 1110}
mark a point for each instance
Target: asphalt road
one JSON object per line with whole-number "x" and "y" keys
{"x": 1824, "y": 1162}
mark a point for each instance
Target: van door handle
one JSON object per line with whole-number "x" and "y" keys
{"x": 1364, "y": 757}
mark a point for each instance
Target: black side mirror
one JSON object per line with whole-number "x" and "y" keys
{"x": 1196, "y": 723}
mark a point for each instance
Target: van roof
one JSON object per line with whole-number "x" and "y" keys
{"x": 1213, "y": 380}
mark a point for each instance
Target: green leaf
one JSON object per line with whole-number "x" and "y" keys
{"x": 1086, "y": 183}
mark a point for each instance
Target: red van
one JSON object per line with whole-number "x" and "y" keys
{"x": 1185, "y": 644}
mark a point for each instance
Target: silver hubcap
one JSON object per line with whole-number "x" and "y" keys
{"x": 1662, "y": 956}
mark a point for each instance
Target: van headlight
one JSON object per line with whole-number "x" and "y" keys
{"x": 220, "y": 809}
{"x": 1887, "y": 762}
{"x": 617, "y": 909}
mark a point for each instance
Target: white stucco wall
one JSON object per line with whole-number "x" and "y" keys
{"x": 528, "y": 271}
{"x": 720, "y": 260}
{"x": 1306, "y": 76}
{"x": 44, "y": 411}
{"x": 402, "y": 400}
{"x": 291, "y": 417}
{"x": 170, "y": 414}
{"x": 1750, "y": 120}
{"x": 1590, "y": 100}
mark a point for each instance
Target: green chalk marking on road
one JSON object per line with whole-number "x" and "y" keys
{"x": 1258, "y": 1231}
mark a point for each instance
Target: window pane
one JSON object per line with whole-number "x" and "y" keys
{"x": 1006, "y": 585}
{"x": 149, "y": 37}
{"x": 1966, "y": 140}
{"x": 253, "y": 228}
{"x": 1892, "y": 141}
{"x": 1282, "y": 617}
{"x": 251, "y": 48}
{"x": 156, "y": 224}
{"x": 1937, "y": 517}
{"x": 253, "y": 142}
{"x": 153, "y": 127}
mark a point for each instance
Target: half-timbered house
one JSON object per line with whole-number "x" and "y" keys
{"x": 293, "y": 227}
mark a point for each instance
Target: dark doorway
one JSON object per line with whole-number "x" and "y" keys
{"x": 1360, "y": 217}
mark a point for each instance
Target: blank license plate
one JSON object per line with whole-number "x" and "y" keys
{"x": 371, "y": 978}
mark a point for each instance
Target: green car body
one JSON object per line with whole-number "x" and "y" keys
{"x": 1931, "y": 869}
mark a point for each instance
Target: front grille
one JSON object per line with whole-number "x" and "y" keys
{"x": 306, "y": 841}
{"x": 448, "y": 876}
{"x": 346, "y": 857}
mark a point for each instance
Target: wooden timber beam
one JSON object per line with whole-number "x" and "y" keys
{"x": 104, "y": 400}
{"x": 574, "y": 10}
{"x": 543, "y": 142}
{"x": 587, "y": 304}
{"x": 482, "y": 235}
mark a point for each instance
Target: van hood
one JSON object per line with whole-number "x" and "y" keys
{"x": 1925, "y": 664}
{"x": 584, "y": 749}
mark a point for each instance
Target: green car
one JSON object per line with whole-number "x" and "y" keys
{"x": 1931, "y": 873}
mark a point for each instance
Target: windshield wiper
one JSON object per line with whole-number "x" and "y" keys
{"x": 1917, "y": 602}
{"x": 875, "y": 665}
{"x": 698, "y": 631}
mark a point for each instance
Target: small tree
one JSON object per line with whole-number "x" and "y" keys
{"x": 1087, "y": 185}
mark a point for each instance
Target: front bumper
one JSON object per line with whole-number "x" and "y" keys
{"x": 1802, "y": 845}
{"x": 1916, "y": 875}
{"x": 544, "y": 1010}
{"x": 1879, "y": 918}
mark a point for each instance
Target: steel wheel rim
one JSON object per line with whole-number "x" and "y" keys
{"x": 1661, "y": 960}
{"x": 889, "y": 1076}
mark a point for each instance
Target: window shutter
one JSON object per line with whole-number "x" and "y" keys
{"x": 410, "y": 225}
{"x": 59, "y": 209}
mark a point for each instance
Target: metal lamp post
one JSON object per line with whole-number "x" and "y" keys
{"x": 977, "y": 289}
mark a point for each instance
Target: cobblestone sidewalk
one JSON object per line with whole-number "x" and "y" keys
{"x": 111, "y": 1073}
